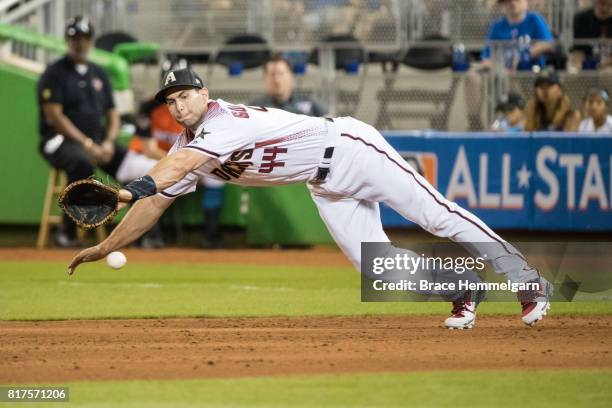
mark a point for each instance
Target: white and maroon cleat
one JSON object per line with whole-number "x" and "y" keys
{"x": 463, "y": 314}
{"x": 535, "y": 303}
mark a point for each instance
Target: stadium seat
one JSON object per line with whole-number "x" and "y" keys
{"x": 424, "y": 58}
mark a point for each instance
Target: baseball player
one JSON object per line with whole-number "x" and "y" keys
{"x": 157, "y": 132}
{"x": 346, "y": 164}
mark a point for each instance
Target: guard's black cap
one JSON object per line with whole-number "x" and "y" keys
{"x": 79, "y": 26}
{"x": 547, "y": 76}
{"x": 185, "y": 77}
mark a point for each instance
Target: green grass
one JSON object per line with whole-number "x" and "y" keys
{"x": 43, "y": 290}
{"x": 386, "y": 390}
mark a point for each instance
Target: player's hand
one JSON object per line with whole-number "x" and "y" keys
{"x": 87, "y": 255}
{"x": 125, "y": 196}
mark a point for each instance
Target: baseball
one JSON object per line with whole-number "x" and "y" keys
{"x": 116, "y": 260}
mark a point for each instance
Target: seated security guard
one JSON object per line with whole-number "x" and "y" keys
{"x": 78, "y": 120}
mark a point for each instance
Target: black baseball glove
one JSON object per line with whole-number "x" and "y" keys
{"x": 89, "y": 202}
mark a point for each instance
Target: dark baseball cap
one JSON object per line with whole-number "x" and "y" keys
{"x": 79, "y": 25}
{"x": 547, "y": 76}
{"x": 510, "y": 101}
{"x": 182, "y": 77}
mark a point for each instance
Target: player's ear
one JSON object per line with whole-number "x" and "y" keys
{"x": 204, "y": 92}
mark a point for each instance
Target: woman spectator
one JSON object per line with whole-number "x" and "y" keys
{"x": 550, "y": 109}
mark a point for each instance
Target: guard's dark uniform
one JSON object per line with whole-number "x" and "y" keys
{"x": 85, "y": 99}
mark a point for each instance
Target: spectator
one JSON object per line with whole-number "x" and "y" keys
{"x": 280, "y": 90}
{"x": 518, "y": 25}
{"x": 511, "y": 114}
{"x": 78, "y": 120}
{"x": 593, "y": 23}
{"x": 596, "y": 109}
{"x": 550, "y": 109}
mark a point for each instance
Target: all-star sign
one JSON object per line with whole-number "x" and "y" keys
{"x": 521, "y": 181}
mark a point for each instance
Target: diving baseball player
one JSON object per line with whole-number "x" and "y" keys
{"x": 346, "y": 164}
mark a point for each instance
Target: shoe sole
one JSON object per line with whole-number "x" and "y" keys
{"x": 469, "y": 326}
{"x": 533, "y": 323}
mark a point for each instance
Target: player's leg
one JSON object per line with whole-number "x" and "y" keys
{"x": 351, "y": 222}
{"x": 384, "y": 176}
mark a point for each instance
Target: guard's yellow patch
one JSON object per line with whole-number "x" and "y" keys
{"x": 46, "y": 93}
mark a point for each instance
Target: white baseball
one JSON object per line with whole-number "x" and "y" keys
{"x": 116, "y": 260}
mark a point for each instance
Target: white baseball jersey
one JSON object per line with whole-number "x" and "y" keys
{"x": 262, "y": 146}
{"x": 253, "y": 146}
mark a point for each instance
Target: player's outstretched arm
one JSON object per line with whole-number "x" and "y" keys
{"x": 174, "y": 167}
{"x": 138, "y": 220}
{"x": 166, "y": 173}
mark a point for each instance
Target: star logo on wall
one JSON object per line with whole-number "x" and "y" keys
{"x": 523, "y": 175}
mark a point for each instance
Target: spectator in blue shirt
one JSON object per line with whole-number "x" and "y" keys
{"x": 521, "y": 25}
{"x": 517, "y": 26}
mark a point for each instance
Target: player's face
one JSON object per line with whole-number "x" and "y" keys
{"x": 188, "y": 106}
{"x": 596, "y": 107}
{"x": 279, "y": 80}
{"x": 78, "y": 48}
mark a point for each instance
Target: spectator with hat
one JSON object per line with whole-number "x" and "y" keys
{"x": 550, "y": 109}
{"x": 511, "y": 114}
{"x": 597, "y": 106}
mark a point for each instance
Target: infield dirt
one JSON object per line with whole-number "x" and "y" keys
{"x": 236, "y": 347}
{"x": 187, "y": 348}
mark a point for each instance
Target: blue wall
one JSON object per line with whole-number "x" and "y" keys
{"x": 539, "y": 181}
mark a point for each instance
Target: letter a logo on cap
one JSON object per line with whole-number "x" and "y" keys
{"x": 170, "y": 78}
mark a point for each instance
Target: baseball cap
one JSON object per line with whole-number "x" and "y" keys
{"x": 79, "y": 25}
{"x": 174, "y": 78}
{"x": 602, "y": 93}
{"x": 547, "y": 76}
{"x": 510, "y": 101}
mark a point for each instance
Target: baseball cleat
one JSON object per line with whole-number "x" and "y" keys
{"x": 535, "y": 303}
{"x": 463, "y": 314}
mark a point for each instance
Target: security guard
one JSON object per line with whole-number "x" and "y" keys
{"x": 78, "y": 120}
